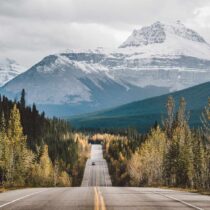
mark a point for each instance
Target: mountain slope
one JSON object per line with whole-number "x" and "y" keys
{"x": 154, "y": 60}
{"x": 9, "y": 69}
{"x": 143, "y": 114}
{"x": 62, "y": 88}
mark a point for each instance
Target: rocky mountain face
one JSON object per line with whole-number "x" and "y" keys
{"x": 154, "y": 60}
{"x": 9, "y": 69}
{"x": 159, "y": 33}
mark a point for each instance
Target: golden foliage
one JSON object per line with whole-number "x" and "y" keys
{"x": 146, "y": 163}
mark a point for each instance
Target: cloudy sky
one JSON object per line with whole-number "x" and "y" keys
{"x": 32, "y": 29}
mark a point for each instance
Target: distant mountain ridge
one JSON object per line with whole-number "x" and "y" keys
{"x": 143, "y": 114}
{"x": 9, "y": 69}
{"x": 154, "y": 60}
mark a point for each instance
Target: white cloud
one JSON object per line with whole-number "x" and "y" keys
{"x": 202, "y": 16}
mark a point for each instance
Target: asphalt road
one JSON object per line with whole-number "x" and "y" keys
{"x": 96, "y": 170}
{"x": 104, "y": 197}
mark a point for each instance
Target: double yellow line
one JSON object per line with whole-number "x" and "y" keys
{"x": 99, "y": 203}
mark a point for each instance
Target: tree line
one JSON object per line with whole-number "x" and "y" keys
{"x": 37, "y": 151}
{"x": 171, "y": 154}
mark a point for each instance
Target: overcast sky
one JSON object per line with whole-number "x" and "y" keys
{"x": 32, "y": 29}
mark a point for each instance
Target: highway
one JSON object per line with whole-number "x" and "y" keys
{"x": 96, "y": 170}
{"x": 96, "y": 193}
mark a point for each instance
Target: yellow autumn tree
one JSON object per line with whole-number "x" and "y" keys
{"x": 146, "y": 164}
{"x": 18, "y": 158}
{"x": 64, "y": 179}
{"x": 45, "y": 168}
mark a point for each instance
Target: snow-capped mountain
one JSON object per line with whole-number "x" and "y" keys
{"x": 154, "y": 60}
{"x": 159, "y": 33}
{"x": 9, "y": 69}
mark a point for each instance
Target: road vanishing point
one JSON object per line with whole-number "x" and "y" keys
{"x": 97, "y": 193}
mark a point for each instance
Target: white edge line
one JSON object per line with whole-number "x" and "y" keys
{"x": 183, "y": 202}
{"x": 104, "y": 167}
{"x": 89, "y": 172}
{"x": 21, "y": 198}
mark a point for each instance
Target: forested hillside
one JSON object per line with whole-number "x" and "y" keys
{"x": 143, "y": 114}
{"x": 37, "y": 151}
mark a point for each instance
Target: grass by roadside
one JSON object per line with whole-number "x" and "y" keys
{"x": 5, "y": 189}
{"x": 2, "y": 189}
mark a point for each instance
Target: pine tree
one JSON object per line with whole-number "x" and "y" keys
{"x": 168, "y": 124}
{"x": 2, "y": 134}
{"x": 185, "y": 173}
{"x": 199, "y": 161}
{"x": 22, "y": 99}
{"x": 171, "y": 163}
{"x": 3, "y": 142}
{"x": 181, "y": 114}
{"x": 179, "y": 168}
{"x": 205, "y": 118}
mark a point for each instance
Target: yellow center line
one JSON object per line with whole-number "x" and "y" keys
{"x": 103, "y": 206}
{"x": 96, "y": 200}
{"x": 99, "y": 203}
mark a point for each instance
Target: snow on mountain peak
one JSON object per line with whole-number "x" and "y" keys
{"x": 158, "y": 33}
{"x": 8, "y": 70}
